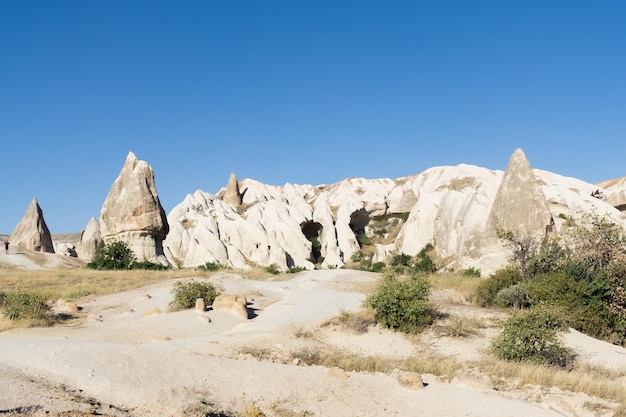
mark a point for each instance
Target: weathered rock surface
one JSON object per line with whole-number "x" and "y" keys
{"x": 614, "y": 192}
{"x": 32, "y": 232}
{"x": 133, "y": 213}
{"x": 236, "y": 305}
{"x": 90, "y": 241}
{"x": 232, "y": 194}
{"x": 453, "y": 208}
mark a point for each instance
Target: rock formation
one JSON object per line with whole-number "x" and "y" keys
{"x": 453, "y": 208}
{"x": 232, "y": 304}
{"x": 520, "y": 205}
{"x": 133, "y": 213}
{"x": 90, "y": 241}
{"x": 232, "y": 194}
{"x": 32, "y": 232}
{"x": 615, "y": 192}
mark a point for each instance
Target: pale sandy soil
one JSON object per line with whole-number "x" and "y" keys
{"x": 119, "y": 362}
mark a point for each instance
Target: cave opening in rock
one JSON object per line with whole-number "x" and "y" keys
{"x": 358, "y": 221}
{"x": 311, "y": 230}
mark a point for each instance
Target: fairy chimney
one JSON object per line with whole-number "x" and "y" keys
{"x": 32, "y": 232}
{"x": 520, "y": 205}
{"x": 133, "y": 213}
{"x": 232, "y": 194}
{"x": 90, "y": 241}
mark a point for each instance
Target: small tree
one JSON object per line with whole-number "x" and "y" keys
{"x": 186, "y": 294}
{"x": 401, "y": 304}
{"x": 524, "y": 247}
{"x": 533, "y": 336}
{"x": 115, "y": 255}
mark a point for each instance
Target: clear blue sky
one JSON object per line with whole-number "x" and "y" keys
{"x": 306, "y": 92}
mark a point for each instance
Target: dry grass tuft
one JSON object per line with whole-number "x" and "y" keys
{"x": 358, "y": 322}
{"x": 460, "y": 326}
{"x": 77, "y": 283}
{"x": 465, "y": 285}
{"x": 593, "y": 381}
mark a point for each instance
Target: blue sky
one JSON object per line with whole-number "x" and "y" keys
{"x": 298, "y": 91}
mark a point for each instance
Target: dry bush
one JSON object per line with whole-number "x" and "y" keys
{"x": 458, "y": 326}
{"x": 358, "y": 322}
{"x": 465, "y": 285}
{"x": 61, "y": 283}
{"x": 593, "y": 381}
{"x": 334, "y": 358}
{"x": 251, "y": 410}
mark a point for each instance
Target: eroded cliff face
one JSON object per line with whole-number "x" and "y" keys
{"x": 133, "y": 213}
{"x": 456, "y": 209}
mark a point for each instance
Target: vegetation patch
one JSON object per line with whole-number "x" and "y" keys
{"x": 533, "y": 336}
{"x": 401, "y": 303}
{"x": 186, "y": 294}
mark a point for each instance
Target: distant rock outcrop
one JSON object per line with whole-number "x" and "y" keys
{"x": 232, "y": 194}
{"x": 90, "y": 241}
{"x": 519, "y": 205}
{"x": 453, "y": 208}
{"x": 32, "y": 232}
{"x": 133, "y": 213}
{"x": 615, "y": 192}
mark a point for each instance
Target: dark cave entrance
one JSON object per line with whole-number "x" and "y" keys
{"x": 311, "y": 230}
{"x": 358, "y": 221}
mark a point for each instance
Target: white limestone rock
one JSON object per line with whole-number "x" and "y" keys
{"x": 31, "y": 232}
{"x": 614, "y": 192}
{"x": 448, "y": 207}
{"x": 133, "y": 213}
{"x": 90, "y": 241}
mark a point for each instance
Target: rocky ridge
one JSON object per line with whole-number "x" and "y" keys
{"x": 456, "y": 209}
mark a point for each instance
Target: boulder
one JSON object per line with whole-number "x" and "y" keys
{"x": 90, "y": 241}
{"x": 32, "y": 232}
{"x": 232, "y": 304}
{"x": 133, "y": 213}
{"x": 66, "y": 249}
{"x": 411, "y": 381}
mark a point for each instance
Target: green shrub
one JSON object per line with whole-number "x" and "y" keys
{"x": 211, "y": 266}
{"x": 272, "y": 269}
{"x": 471, "y": 272}
{"x": 488, "y": 289}
{"x": 357, "y": 256}
{"x": 296, "y": 269}
{"x": 21, "y": 305}
{"x": 401, "y": 304}
{"x": 114, "y": 255}
{"x": 149, "y": 266}
{"x": 582, "y": 302}
{"x": 401, "y": 259}
{"x": 513, "y": 296}
{"x": 532, "y": 336}
{"x": 186, "y": 294}
{"x": 377, "y": 267}
{"x": 424, "y": 263}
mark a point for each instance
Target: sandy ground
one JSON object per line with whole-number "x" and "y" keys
{"x": 118, "y": 361}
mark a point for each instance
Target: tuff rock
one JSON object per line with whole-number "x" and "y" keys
{"x": 232, "y": 194}
{"x": 32, "y": 232}
{"x": 133, "y": 213}
{"x": 453, "y": 208}
{"x": 90, "y": 241}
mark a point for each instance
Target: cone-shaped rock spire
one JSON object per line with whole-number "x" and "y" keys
{"x": 133, "y": 213}
{"x": 32, "y": 232}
